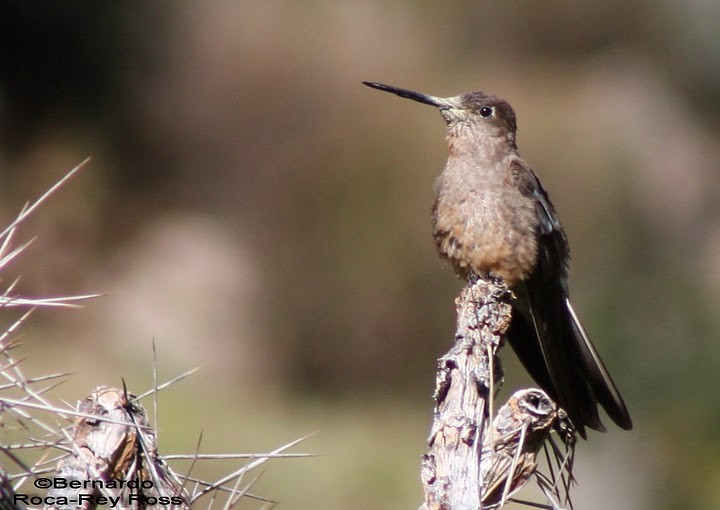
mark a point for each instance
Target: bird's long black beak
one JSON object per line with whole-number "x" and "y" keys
{"x": 438, "y": 102}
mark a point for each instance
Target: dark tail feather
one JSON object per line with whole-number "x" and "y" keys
{"x": 554, "y": 348}
{"x": 602, "y": 384}
{"x": 523, "y": 340}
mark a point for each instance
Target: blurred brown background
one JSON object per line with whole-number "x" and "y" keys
{"x": 253, "y": 208}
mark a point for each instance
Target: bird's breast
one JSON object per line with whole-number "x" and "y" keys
{"x": 485, "y": 227}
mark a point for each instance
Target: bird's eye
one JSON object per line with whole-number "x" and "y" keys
{"x": 486, "y": 111}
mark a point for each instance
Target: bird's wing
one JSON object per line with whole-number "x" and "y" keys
{"x": 579, "y": 378}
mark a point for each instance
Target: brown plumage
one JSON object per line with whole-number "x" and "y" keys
{"x": 491, "y": 216}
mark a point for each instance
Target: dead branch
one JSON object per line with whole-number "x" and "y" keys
{"x": 479, "y": 458}
{"x": 451, "y": 469}
{"x": 113, "y": 444}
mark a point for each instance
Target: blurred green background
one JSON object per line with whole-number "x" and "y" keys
{"x": 253, "y": 208}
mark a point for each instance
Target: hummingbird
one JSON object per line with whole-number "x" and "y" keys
{"x": 492, "y": 217}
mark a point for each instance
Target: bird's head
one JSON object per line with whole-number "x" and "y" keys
{"x": 473, "y": 114}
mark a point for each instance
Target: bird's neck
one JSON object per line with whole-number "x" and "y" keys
{"x": 481, "y": 152}
{"x": 482, "y": 148}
